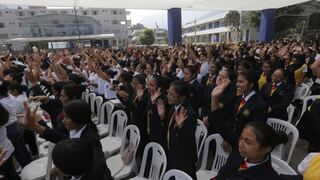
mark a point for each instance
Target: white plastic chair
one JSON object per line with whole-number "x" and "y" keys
{"x": 290, "y": 111}
{"x": 85, "y": 94}
{"x": 96, "y": 114}
{"x": 281, "y": 167}
{"x": 116, "y": 162}
{"x": 86, "y": 98}
{"x": 104, "y": 118}
{"x": 286, "y": 127}
{"x": 38, "y": 169}
{"x": 219, "y": 159}
{"x": 201, "y": 135}
{"x": 158, "y": 162}
{"x": 91, "y": 99}
{"x": 112, "y": 143}
{"x": 301, "y": 91}
{"x": 177, "y": 174}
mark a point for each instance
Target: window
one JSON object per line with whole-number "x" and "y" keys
{"x": 114, "y": 12}
{"x": 20, "y": 13}
{"x": 115, "y": 22}
{"x": 216, "y": 24}
{"x": 94, "y": 12}
{"x": 123, "y": 22}
{"x": 210, "y": 25}
{"x": 84, "y": 12}
{"x": 4, "y": 36}
{"x": 32, "y": 13}
{"x": 20, "y": 24}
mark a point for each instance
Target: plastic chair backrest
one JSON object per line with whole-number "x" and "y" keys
{"x": 177, "y": 174}
{"x": 86, "y": 95}
{"x": 301, "y": 91}
{"x": 134, "y": 139}
{"x": 121, "y": 123}
{"x": 306, "y": 102}
{"x": 92, "y": 98}
{"x": 290, "y": 111}
{"x": 289, "y": 129}
{"x": 98, "y": 102}
{"x": 220, "y": 157}
{"x": 158, "y": 161}
{"x": 103, "y": 115}
{"x": 110, "y": 107}
{"x": 49, "y": 163}
{"x": 281, "y": 167}
{"x": 201, "y": 135}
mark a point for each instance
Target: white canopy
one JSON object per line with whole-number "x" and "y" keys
{"x": 161, "y": 4}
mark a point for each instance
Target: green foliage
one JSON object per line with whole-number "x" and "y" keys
{"x": 232, "y": 19}
{"x": 147, "y": 38}
{"x": 289, "y": 20}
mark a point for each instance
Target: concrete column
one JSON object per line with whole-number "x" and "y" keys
{"x": 174, "y": 26}
{"x": 267, "y": 25}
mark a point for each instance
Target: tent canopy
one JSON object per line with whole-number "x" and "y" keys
{"x": 194, "y": 5}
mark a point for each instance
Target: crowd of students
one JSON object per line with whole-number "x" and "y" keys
{"x": 232, "y": 87}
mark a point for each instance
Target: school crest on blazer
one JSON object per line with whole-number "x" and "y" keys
{"x": 246, "y": 112}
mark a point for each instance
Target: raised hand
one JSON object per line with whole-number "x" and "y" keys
{"x": 2, "y": 153}
{"x": 155, "y": 95}
{"x": 31, "y": 120}
{"x": 219, "y": 89}
{"x": 181, "y": 117}
{"x": 161, "y": 109}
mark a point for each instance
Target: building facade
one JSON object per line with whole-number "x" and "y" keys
{"x": 213, "y": 29}
{"x": 40, "y": 21}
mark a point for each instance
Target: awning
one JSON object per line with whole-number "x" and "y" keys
{"x": 194, "y": 5}
{"x": 64, "y": 38}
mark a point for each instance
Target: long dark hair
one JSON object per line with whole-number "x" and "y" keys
{"x": 79, "y": 111}
{"x": 266, "y": 135}
{"x": 4, "y": 115}
{"x": 73, "y": 156}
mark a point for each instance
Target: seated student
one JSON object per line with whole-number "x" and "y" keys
{"x": 15, "y": 90}
{"x": 14, "y": 131}
{"x": 278, "y": 94}
{"x": 310, "y": 166}
{"x": 265, "y": 74}
{"x": 179, "y": 129}
{"x": 309, "y": 126}
{"x": 249, "y": 106}
{"x": 63, "y": 93}
{"x": 190, "y": 76}
{"x": 77, "y": 120}
{"x": 250, "y": 154}
{"x": 7, "y": 168}
{"x": 315, "y": 88}
{"x": 75, "y": 157}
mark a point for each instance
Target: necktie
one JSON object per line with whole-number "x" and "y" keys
{"x": 243, "y": 166}
{"x": 274, "y": 88}
{"x": 242, "y": 103}
{"x": 168, "y": 130}
{"x": 209, "y": 81}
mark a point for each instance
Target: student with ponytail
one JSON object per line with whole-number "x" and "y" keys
{"x": 251, "y": 148}
{"x": 77, "y": 120}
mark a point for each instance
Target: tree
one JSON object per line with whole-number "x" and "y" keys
{"x": 232, "y": 20}
{"x": 147, "y": 38}
{"x": 289, "y": 20}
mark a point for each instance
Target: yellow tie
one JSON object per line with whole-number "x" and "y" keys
{"x": 168, "y": 130}
{"x": 274, "y": 88}
{"x": 313, "y": 170}
{"x": 148, "y": 121}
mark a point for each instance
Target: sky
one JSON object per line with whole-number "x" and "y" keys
{"x": 149, "y": 18}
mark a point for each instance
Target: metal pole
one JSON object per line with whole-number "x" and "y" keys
{"x": 195, "y": 31}
{"x": 76, "y": 18}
